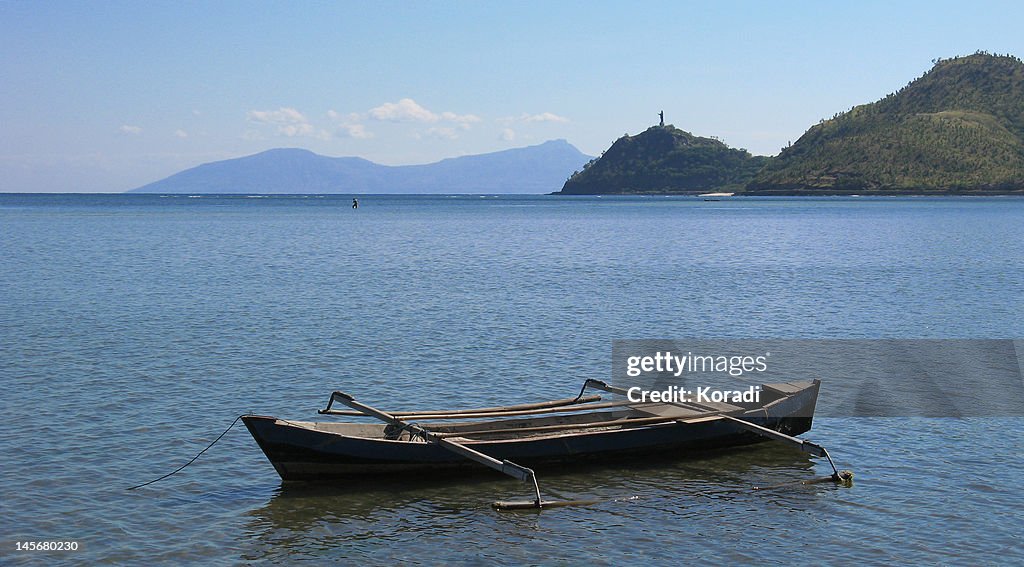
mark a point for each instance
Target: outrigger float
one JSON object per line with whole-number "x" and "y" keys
{"x": 515, "y": 439}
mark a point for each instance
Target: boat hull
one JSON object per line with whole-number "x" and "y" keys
{"x": 301, "y": 453}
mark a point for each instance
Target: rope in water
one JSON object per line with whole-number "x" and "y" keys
{"x": 179, "y": 469}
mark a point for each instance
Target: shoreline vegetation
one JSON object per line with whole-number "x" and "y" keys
{"x": 956, "y": 130}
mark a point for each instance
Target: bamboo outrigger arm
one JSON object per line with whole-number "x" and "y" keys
{"x": 505, "y": 467}
{"x": 802, "y": 444}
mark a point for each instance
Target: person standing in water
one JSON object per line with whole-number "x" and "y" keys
{"x": 355, "y": 203}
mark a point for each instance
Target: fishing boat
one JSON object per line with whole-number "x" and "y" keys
{"x": 513, "y": 439}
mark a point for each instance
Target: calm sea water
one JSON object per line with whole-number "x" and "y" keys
{"x": 134, "y": 328}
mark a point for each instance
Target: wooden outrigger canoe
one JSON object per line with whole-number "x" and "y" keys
{"x": 511, "y": 439}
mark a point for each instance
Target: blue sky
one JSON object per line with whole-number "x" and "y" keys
{"x": 107, "y": 96}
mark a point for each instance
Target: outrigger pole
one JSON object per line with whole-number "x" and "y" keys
{"x": 446, "y": 441}
{"x": 505, "y": 467}
{"x": 843, "y": 477}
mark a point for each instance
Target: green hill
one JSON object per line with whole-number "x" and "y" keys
{"x": 665, "y": 159}
{"x": 958, "y": 128}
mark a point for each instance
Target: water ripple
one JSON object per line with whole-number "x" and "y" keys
{"x": 134, "y": 329}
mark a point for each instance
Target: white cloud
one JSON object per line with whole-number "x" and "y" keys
{"x": 349, "y": 126}
{"x": 508, "y": 135}
{"x": 338, "y": 117}
{"x": 282, "y": 115}
{"x": 405, "y": 110}
{"x": 181, "y": 133}
{"x": 463, "y": 120}
{"x": 356, "y": 131}
{"x": 545, "y": 117}
{"x": 293, "y": 130}
{"x": 288, "y": 122}
{"x": 542, "y": 117}
{"x": 130, "y": 129}
{"x": 408, "y": 110}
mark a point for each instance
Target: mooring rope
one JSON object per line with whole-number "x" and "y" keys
{"x": 193, "y": 458}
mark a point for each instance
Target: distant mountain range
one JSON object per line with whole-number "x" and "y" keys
{"x": 535, "y": 169}
{"x": 959, "y": 128}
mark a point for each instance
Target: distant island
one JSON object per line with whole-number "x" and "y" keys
{"x": 665, "y": 159}
{"x": 959, "y": 129}
{"x": 533, "y": 169}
